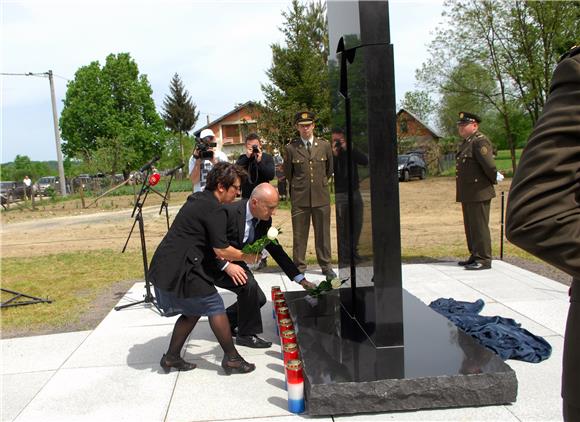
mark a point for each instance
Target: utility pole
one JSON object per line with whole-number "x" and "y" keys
{"x": 57, "y": 137}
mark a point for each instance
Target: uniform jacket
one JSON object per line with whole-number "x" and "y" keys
{"x": 475, "y": 169}
{"x": 184, "y": 262}
{"x": 236, "y": 224}
{"x": 308, "y": 173}
{"x": 543, "y": 210}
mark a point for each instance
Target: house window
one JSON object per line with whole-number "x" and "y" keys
{"x": 231, "y": 134}
{"x": 404, "y": 126}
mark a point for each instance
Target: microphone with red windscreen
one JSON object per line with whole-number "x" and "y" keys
{"x": 154, "y": 179}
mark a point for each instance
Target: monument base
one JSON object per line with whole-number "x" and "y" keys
{"x": 437, "y": 366}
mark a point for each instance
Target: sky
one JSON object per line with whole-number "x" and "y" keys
{"x": 220, "y": 49}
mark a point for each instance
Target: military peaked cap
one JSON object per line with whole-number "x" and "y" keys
{"x": 465, "y": 117}
{"x": 304, "y": 118}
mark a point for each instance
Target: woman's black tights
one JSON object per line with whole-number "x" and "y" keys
{"x": 183, "y": 327}
{"x": 219, "y": 324}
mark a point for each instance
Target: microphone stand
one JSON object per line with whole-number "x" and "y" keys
{"x": 138, "y": 215}
{"x": 164, "y": 200}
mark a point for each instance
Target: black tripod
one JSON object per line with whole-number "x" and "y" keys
{"x": 164, "y": 197}
{"x": 138, "y": 214}
{"x": 16, "y": 299}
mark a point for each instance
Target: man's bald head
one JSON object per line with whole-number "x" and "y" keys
{"x": 263, "y": 201}
{"x": 264, "y": 191}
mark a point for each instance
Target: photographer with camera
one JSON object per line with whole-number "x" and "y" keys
{"x": 260, "y": 168}
{"x": 258, "y": 164}
{"x": 204, "y": 157}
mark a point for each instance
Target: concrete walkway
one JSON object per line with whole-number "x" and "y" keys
{"x": 112, "y": 373}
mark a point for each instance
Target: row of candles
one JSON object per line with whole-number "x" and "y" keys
{"x": 292, "y": 364}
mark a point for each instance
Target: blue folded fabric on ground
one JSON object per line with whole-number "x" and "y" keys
{"x": 502, "y": 335}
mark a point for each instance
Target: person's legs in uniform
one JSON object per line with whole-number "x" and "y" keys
{"x": 571, "y": 358}
{"x": 480, "y": 236}
{"x": 321, "y": 223}
{"x": 300, "y": 230}
{"x": 466, "y": 226}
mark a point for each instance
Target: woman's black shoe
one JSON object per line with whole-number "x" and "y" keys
{"x": 168, "y": 362}
{"x": 236, "y": 364}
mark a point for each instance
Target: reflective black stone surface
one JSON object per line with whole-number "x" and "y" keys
{"x": 340, "y": 359}
{"x": 366, "y": 181}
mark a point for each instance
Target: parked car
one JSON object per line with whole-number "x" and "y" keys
{"x": 48, "y": 182}
{"x": 411, "y": 165}
{"x": 11, "y": 191}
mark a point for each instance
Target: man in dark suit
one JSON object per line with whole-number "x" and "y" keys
{"x": 260, "y": 168}
{"x": 249, "y": 220}
{"x": 475, "y": 176}
{"x": 308, "y": 167}
{"x": 543, "y": 211}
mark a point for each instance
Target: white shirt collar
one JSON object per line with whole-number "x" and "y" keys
{"x": 311, "y": 140}
{"x": 249, "y": 215}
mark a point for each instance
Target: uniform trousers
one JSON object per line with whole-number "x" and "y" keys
{"x": 245, "y": 312}
{"x": 571, "y": 359}
{"x": 301, "y": 227}
{"x": 476, "y": 223}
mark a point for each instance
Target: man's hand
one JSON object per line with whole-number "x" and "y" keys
{"x": 237, "y": 274}
{"x": 307, "y": 285}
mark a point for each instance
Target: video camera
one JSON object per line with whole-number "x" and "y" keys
{"x": 202, "y": 148}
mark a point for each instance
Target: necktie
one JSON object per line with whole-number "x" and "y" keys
{"x": 308, "y": 145}
{"x": 252, "y": 232}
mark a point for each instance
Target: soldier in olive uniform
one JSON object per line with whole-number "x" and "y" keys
{"x": 475, "y": 177}
{"x": 308, "y": 167}
{"x": 543, "y": 211}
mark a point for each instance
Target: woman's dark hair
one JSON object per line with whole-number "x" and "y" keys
{"x": 224, "y": 173}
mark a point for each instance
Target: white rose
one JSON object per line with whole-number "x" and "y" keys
{"x": 335, "y": 283}
{"x": 272, "y": 233}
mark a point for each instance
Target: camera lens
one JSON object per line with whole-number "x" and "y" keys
{"x": 255, "y": 149}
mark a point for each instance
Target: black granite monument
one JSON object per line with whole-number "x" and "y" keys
{"x": 371, "y": 346}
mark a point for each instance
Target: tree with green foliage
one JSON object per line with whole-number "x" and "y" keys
{"x": 23, "y": 166}
{"x": 111, "y": 107}
{"x": 514, "y": 43}
{"x": 419, "y": 103}
{"x": 179, "y": 112}
{"x": 298, "y": 75}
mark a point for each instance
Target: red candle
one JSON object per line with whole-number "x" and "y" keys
{"x": 275, "y": 289}
{"x": 285, "y": 325}
{"x": 294, "y": 371}
{"x": 279, "y": 303}
{"x": 290, "y": 352}
{"x": 278, "y": 295}
{"x": 288, "y": 336}
{"x": 283, "y": 312}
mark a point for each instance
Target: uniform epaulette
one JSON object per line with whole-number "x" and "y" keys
{"x": 570, "y": 53}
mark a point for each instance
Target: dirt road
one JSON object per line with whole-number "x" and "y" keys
{"x": 430, "y": 220}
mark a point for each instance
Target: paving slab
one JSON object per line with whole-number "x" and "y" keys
{"x": 19, "y": 389}
{"x": 113, "y": 372}
{"x": 39, "y": 353}
{"x": 113, "y": 393}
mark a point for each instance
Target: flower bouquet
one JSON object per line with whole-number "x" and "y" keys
{"x": 327, "y": 286}
{"x": 258, "y": 245}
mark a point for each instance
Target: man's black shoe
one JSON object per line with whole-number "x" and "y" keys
{"x": 234, "y": 331}
{"x": 468, "y": 261}
{"x": 253, "y": 341}
{"x": 477, "y": 266}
